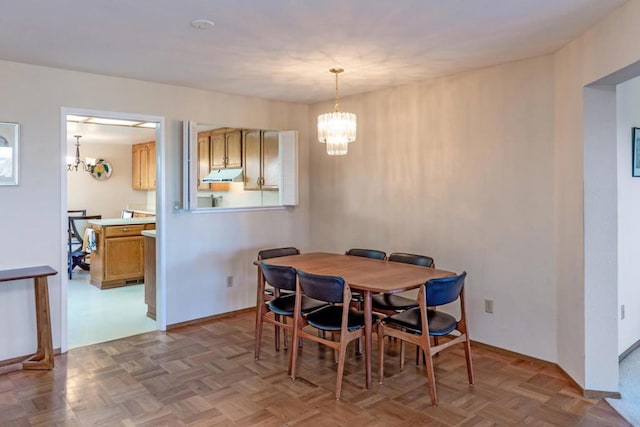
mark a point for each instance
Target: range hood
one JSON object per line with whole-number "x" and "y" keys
{"x": 224, "y": 175}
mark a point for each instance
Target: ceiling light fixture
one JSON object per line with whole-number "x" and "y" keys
{"x": 337, "y": 129}
{"x": 202, "y": 24}
{"x": 74, "y": 163}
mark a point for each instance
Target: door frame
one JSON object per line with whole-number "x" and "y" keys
{"x": 161, "y": 319}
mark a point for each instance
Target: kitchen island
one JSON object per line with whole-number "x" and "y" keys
{"x": 118, "y": 259}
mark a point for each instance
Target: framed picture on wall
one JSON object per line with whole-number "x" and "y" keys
{"x": 9, "y": 153}
{"x": 635, "y": 164}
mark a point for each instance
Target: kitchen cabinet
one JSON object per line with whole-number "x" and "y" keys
{"x": 150, "y": 273}
{"x": 261, "y": 162}
{"x": 118, "y": 259}
{"x": 226, "y": 148}
{"x": 143, "y": 168}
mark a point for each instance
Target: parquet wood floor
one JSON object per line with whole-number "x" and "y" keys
{"x": 205, "y": 375}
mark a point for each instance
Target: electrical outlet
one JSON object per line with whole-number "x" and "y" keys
{"x": 622, "y": 312}
{"x": 488, "y": 306}
{"x": 229, "y": 281}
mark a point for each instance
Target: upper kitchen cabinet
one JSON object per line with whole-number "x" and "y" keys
{"x": 204, "y": 158}
{"x": 143, "y": 166}
{"x": 261, "y": 164}
{"x": 226, "y": 149}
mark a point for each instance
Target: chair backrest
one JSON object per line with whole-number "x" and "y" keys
{"x": 126, "y": 213}
{"x": 76, "y": 212}
{"x": 323, "y": 288}
{"x": 77, "y": 225}
{"x": 277, "y": 252}
{"x": 367, "y": 253}
{"x": 279, "y": 277}
{"x": 422, "y": 260}
{"x": 444, "y": 290}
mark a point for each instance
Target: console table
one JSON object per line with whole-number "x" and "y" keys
{"x": 43, "y": 358}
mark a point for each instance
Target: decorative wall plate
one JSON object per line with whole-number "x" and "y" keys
{"x": 101, "y": 170}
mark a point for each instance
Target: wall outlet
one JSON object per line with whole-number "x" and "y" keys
{"x": 229, "y": 281}
{"x": 488, "y": 306}
{"x": 622, "y": 312}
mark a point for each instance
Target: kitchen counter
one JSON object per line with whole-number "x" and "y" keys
{"x": 118, "y": 259}
{"x": 121, "y": 221}
{"x": 149, "y": 233}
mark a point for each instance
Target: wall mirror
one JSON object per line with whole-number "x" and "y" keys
{"x": 231, "y": 167}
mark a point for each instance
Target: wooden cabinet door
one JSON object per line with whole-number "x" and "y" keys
{"x": 151, "y": 166}
{"x": 251, "y": 159}
{"x": 234, "y": 149}
{"x": 136, "y": 177}
{"x": 123, "y": 258}
{"x": 270, "y": 161}
{"x": 217, "y": 151}
{"x": 144, "y": 167}
{"x": 204, "y": 159}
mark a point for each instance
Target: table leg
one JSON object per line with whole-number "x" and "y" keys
{"x": 43, "y": 359}
{"x": 367, "y": 335}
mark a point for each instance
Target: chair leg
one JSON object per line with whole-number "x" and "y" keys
{"x": 467, "y": 354}
{"x": 285, "y": 334}
{"x": 418, "y": 350}
{"x": 276, "y": 331}
{"x": 341, "y": 356}
{"x": 401, "y": 354}
{"x": 258, "y": 332}
{"x": 432, "y": 379}
{"x": 293, "y": 354}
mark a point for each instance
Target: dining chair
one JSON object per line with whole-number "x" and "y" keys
{"x": 418, "y": 324}
{"x": 75, "y": 236}
{"x": 389, "y": 304}
{"x": 280, "y": 306}
{"x": 357, "y": 297}
{"x": 269, "y": 291}
{"x": 366, "y": 253}
{"x": 337, "y": 318}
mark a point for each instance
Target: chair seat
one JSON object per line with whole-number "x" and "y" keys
{"x": 439, "y": 323}
{"x": 285, "y": 305}
{"x": 392, "y": 302}
{"x": 330, "y": 319}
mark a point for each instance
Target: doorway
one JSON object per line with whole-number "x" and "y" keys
{"x": 100, "y": 147}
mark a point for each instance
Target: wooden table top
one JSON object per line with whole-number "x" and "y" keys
{"x": 26, "y": 273}
{"x": 361, "y": 273}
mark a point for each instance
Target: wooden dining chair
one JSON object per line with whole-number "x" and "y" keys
{"x": 390, "y": 304}
{"x": 367, "y": 253}
{"x": 281, "y": 306}
{"x": 268, "y": 292}
{"x": 418, "y": 324}
{"x": 337, "y": 318}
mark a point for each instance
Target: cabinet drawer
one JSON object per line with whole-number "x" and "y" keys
{"x": 123, "y": 230}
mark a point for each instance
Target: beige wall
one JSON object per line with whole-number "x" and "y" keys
{"x": 201, "y": 250}
{"x": 105, "y": 197}
{"x": 459, "y": 168}
{"x": 587, "y": 310}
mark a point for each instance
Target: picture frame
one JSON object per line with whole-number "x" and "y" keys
{"x": 9, "y": 153}
{"x": 635, "y": 144}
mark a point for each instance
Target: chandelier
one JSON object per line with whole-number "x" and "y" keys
{"x": 74, "y": 163}
{"x": 336, "y": 129}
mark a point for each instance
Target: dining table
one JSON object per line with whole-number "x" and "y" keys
{"x": 365, "y": 275}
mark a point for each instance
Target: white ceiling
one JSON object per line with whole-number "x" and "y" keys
{"x": 282, "y": 49}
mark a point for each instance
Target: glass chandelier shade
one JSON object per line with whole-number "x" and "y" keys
{"x": 337, "y": 129}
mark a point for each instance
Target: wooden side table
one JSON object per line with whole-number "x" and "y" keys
{"x": 43, "y": 358}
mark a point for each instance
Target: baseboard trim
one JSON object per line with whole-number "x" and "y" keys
{"x": 628, "y": 351}
{"x": 588, "y": 394}
{"x": 201, "y": 320}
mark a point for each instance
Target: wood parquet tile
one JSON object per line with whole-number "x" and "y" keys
{"x": 205, "y": 375}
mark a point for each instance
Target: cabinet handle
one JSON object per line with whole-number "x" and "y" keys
{"x": 125, "y": 229}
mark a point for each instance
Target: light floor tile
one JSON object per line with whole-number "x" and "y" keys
{"x": 96, "y": 315}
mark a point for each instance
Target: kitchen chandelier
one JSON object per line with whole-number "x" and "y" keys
{"x": 73, "y": 164}
{"x": 336, "y": 129}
